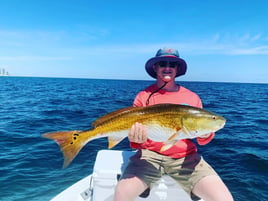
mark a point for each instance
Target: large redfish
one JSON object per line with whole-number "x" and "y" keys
{"x": 164, "y": 122}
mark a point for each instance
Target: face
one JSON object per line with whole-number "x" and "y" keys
{"x": 166, "y": 70}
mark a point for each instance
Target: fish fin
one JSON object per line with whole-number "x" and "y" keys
{"x": 167, "y": 145}
{"x": 172, "y": 137}
{"x": 69, "y": 143}
{"x": 171, "y": 141}
{"x": 186, "y": 131}
{"x": 113, "y": 142}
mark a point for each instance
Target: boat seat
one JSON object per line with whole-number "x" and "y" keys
{"x": 108, "y": 167}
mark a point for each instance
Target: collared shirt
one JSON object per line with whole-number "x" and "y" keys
{"x": 184, "y": 96}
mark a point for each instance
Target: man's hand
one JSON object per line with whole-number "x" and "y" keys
{"x": 137, "y": 133}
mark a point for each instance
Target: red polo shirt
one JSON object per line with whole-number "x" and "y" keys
{"x": 183, "y": 147}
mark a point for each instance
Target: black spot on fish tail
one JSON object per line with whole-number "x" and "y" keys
{"x": 75, "y": 136}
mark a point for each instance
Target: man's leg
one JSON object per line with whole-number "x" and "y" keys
{"x": 212, "y": 188}
{"x": 128, "y": 189}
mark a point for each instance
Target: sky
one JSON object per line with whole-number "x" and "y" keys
{"x": 221, "y": 41}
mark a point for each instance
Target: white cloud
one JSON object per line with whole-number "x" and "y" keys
{"x": 39, "y": 45}
{"x": 32, "y": 58}
{"x": 261, "y": 50}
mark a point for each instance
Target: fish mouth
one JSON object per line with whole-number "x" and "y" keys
{"x": 221, "y": 125}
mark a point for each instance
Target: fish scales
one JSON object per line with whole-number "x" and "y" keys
{"x": 137, "y": 114}
{"x": 166, "y": 114}
{"x": 164, "y": 122}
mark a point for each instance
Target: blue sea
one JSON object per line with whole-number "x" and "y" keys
{"x": 31, "y": 166}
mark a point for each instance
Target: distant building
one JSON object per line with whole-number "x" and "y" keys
{"x": 4, "y": 72}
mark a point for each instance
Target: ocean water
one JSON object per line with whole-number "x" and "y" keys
{"x": 31, "y": 165}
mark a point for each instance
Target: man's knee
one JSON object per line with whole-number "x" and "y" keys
{"x": 128, "y": 189}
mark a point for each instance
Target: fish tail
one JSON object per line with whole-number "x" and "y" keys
{"x": 69, "y": 142}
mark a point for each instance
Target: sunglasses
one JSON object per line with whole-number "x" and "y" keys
{"x": 164, "y": 64}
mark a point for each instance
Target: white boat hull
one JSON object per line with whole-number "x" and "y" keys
{"x": 99, "y": 186}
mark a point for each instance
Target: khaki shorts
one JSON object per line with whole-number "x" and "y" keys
{"x": 149, "y": 166}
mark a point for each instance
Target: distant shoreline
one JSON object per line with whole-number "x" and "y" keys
{"x": 231, "y": 82}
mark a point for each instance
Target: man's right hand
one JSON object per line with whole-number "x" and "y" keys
{"x": 137, "y": 133}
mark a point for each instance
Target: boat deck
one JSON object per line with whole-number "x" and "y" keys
{"x": 99, "y": 186}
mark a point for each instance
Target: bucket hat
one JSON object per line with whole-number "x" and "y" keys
{"x": 166, "y": 54}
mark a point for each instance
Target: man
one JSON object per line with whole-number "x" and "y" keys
{"x": 181, "y": 161}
